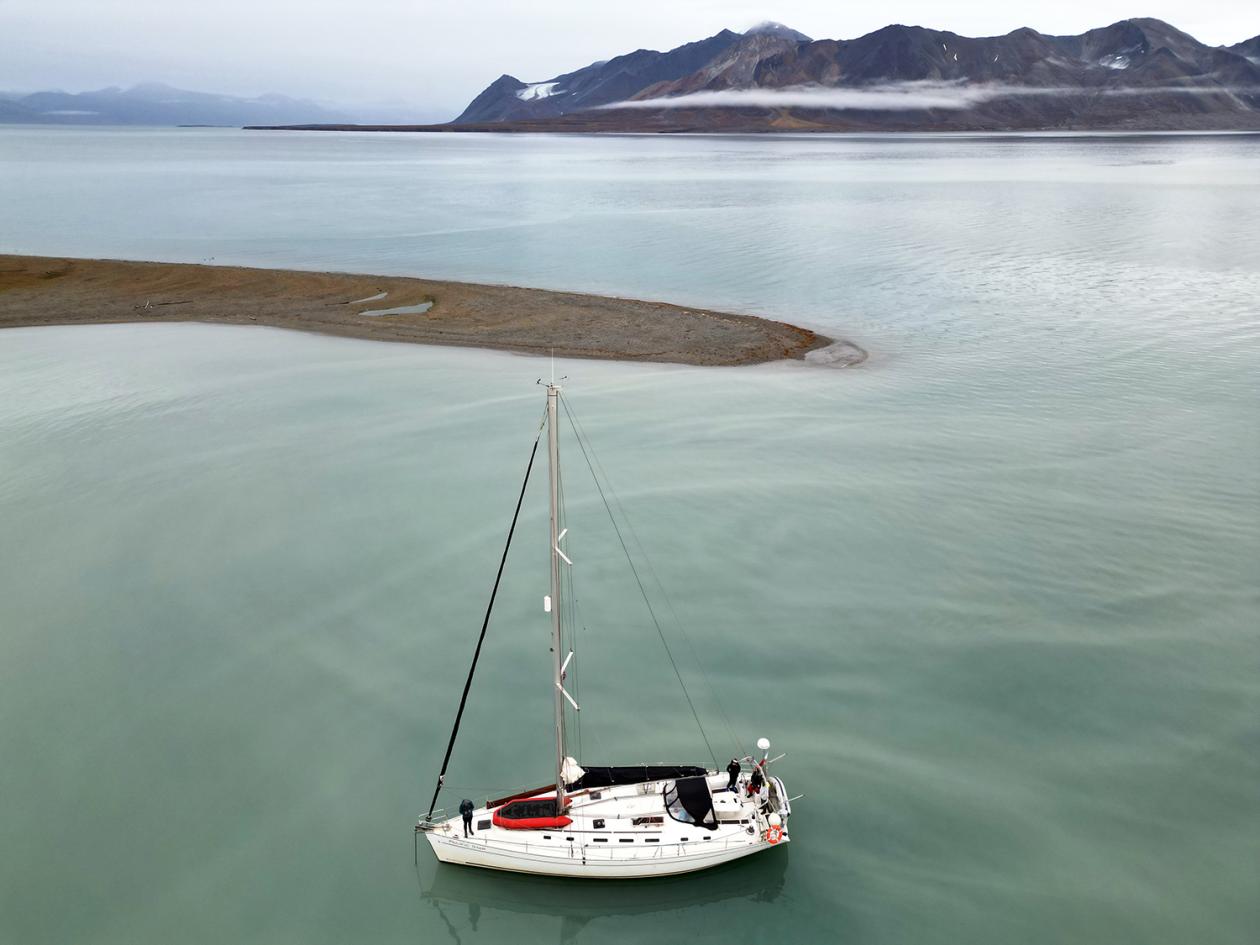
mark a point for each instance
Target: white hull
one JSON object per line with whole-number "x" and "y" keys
{"x": 585, "y": 862}
{"x": 606, "y": 841}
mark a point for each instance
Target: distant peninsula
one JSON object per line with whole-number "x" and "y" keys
{"x": 37, "y": 290}
{"x": 157, "y": 104}
{"x": 1135, "y": 75}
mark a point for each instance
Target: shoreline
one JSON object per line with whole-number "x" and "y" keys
{"x": 694, "y": 122}
{"x": 57, "y": 290}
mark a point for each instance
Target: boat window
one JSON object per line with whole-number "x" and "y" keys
{"x": 601, "y": 839}
{"x": 626, "y": 840}
{"x": 599, "y": 823}
{"x": 658, "y": 840}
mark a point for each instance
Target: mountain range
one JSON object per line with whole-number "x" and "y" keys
{"x": 153, "y": 103}
{"x": 1134, "y": 74}
{"x": 1137, "y": 74}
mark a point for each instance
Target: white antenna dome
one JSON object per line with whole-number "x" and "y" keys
{"x": 763, "y": 744}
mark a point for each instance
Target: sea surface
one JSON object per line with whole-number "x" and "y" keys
{"x": 995, "y": 593}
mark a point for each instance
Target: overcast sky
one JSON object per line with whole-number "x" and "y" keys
{"x": 438, "y": 55}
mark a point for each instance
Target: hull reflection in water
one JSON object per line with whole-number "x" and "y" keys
{"x": 465, "y": 894}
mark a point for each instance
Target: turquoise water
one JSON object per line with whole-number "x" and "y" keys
{"x": 995, "y": 592}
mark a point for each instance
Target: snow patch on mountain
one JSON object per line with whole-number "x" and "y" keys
{"x": 537, "y": 90}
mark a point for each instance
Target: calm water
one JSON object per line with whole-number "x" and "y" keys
{"x": 995, "y": 593}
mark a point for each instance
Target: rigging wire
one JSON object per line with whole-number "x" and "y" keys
{"x": 580, "y": 437}
{"x": 463, "y": 699}
{"x": 579, "y": 431}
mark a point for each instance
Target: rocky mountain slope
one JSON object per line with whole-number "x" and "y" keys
{"x": 601, "y": 83}
{"x": 1250, "y": 48}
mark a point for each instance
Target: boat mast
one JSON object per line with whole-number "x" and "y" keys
{"x": 553, "y": 452}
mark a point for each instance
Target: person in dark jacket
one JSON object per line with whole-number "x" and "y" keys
{"x": 756, "y": 782}
{"x": 466, "y": 808}
{"x": 732, "y": 771}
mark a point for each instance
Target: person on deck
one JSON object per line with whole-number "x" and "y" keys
{"x": 732, "y": 771}
{"x": 756, "y": 781}
{"x": 466, "y": 809}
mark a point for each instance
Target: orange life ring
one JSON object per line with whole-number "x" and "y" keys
{"x": 774, "y": 835}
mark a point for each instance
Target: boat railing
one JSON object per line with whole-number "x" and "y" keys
{"x": 664, "y": 851}
{"x": 431, "y": 821}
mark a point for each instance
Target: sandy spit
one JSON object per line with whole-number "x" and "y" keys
{"x": 39, "y": 290}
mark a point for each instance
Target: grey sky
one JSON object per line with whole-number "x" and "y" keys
{"x": 438, "y": 55}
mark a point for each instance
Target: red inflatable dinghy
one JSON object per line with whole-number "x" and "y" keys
{"x": 535, "y": 814}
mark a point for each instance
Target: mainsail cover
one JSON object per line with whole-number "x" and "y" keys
{"x": 598, "y": 777}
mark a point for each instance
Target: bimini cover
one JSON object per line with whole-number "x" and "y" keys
{"x": 633, "y": 774}
{"x": 688, "y": 800}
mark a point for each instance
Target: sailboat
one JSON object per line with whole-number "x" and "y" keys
{"x": 614, "y": 821}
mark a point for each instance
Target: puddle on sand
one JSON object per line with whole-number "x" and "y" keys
{"x": 401, "y": 310}
{"x": 370, "y": 298}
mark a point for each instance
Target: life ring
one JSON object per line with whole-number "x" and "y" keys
{"x": 774, "y": 835}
